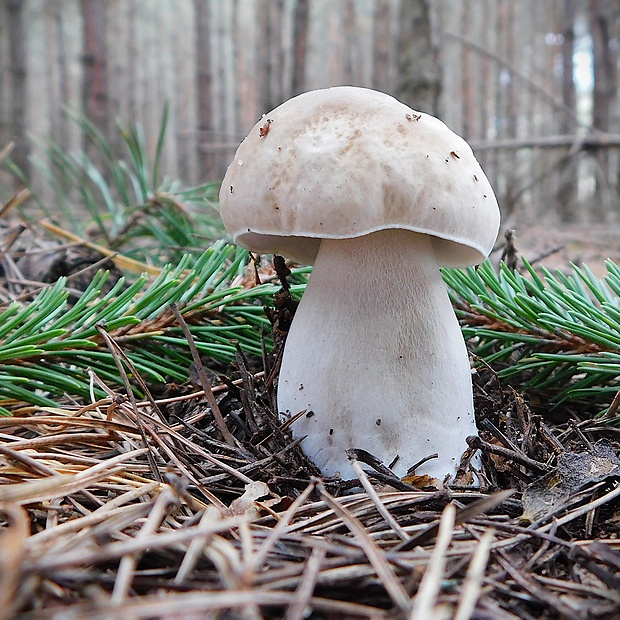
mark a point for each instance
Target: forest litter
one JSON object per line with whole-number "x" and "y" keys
{"x": 130, "y": 508}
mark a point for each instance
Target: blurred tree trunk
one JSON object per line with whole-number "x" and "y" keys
{"x": 265, "y": 65}
{"x": 300, "y": 44}
{"x": 94, "y": 84}
{"x": 270, "y": 54}
{"x": 604, "y": 74}
{"x": 468, "y": 81}
{"x": 566, "y": 198}
{"x": 602, "y": 97}
{"x": 277, "y": 53}
{"x": 17, "y": 72}
{"x": 419, "y": 65}
{"x": 381, "y": 41}
{"x": 350, "y": 62}
{"x": 508, "y": 95}
{"x": 204, "y": 80}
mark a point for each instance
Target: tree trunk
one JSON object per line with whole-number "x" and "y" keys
{"x": 602, "y": 96}
{"x": 419, "y": 66}
{"x": 300, "y": 44}
{"x": 566, "y": 198}
{"x": 95, "y": 83}
{"x": 266, "y": 69}
{"x": 604, "y": 75}
{"x": 17, "y": 64}
{"x": 204, "y": 79}
{"x": 381, "y": 41}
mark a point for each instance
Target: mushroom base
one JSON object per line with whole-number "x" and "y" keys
{"x": 376, "y": 357}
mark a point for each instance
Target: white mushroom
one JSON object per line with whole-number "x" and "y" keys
{"x": 377, "y": 197}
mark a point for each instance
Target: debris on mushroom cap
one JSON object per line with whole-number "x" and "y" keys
{"x": 345, "y": 162}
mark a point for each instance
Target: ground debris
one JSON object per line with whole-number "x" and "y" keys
{"x": 249, "y": 529}
{"x": 574, "y": 471}
{"x": 118, "y": 508}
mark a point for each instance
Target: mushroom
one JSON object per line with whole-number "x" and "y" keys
{"x": 377, "y": 197}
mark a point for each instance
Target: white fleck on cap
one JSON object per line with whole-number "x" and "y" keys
{"x": 345, "y": 162}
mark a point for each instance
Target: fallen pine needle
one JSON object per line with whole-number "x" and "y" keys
{"x": 425, "y": 599}
{"x": 472, "y": 584}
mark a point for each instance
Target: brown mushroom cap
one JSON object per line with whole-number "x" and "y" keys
{"x": 344, "y": 162}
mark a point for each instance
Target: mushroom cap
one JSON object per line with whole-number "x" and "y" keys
{"x": 344, "y": 162}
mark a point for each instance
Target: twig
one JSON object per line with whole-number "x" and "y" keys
{"x": 546, "y": 254}
{"x": 13, "y": 539}
{"x": 123, "y": 262}
{"x": 579, "y": 512}
{"x": 475, "y": 442}
{"x": 613, "y": 408}
{"x": 116, "y": 352}
{"x": 480, "y": 506}
{"x": 197, "y": 545}
{"x": 383, "y": 511}
{"x": 129, "y": 561}
{"x": 277, "y": 531}
{"x": 298, "y": 609}
{"x": 204, "y": 380}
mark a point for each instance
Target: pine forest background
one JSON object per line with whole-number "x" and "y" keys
{"x": 532, "y": 85}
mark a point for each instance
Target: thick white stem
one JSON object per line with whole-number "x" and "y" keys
{"x": 376, "y": 357}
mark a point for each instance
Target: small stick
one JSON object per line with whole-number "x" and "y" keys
{"x": 297, "y": 609}
{"x": 475, "y": 442}
{"x": 555, "y": 250}
{"x": 613, "y": 408}
{"x": 129, "y": 561}
{"x": 196, "y": 547}
{"x": 116, "y": 353}
{"x": 510, "y": 254}
{"x": 421, "y": 462}
{"x": 472, "y": 585}
{"x": 276, "y": 532}
{"x": 586, "y": 442}
{"x": 377, "y": 559}
{"x": 205, "y": 384}
{"x": 579, "y": 512}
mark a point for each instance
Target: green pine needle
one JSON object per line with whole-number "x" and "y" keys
{"x": 553, "y": 333}
{"x": 127, "y": 202}
{"x": 47, "y": 346}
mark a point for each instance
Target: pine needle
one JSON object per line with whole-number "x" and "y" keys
{"x": 553, "y": 333}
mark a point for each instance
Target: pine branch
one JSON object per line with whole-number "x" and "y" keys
{"x": 47, "y": 346}
{"x": 553, "y": 333}
{"x": 556, "y": 333}
{"x": 126, "y": 202}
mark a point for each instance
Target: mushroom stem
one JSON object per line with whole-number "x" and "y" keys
{"x": 376, "y": 356}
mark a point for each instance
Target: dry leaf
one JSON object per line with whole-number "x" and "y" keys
{"x": 424, "y": 482}
{"x": 575, "y": 470}
{"x": 253, "y": 491}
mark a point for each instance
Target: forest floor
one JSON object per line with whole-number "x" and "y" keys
{"x": 118, "y": 508}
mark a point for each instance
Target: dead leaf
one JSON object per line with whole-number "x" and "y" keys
{"x": 245, "y": 503}
{"x": 575, "y": 470}
{"x": 424, "y": 482}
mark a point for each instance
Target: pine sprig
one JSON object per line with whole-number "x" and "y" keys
{"x": 126, "y": 201}
{"x": 48, "y": 346}
{"x": 554, "y": 333}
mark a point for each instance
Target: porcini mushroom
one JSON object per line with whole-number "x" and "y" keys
{"x": 377, "y": 197}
